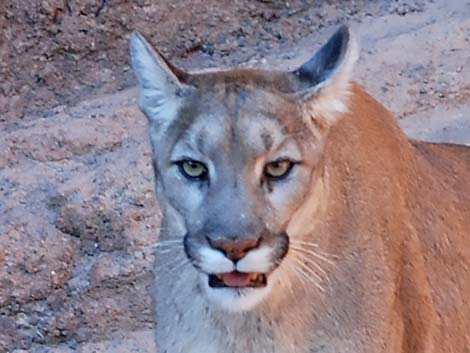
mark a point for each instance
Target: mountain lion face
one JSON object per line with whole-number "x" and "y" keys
{"x": 236, "y": 157}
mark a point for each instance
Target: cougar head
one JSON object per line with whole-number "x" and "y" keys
{"x": 234, "y": 156}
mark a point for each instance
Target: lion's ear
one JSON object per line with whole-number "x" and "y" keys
{"x": 161, "y": 85}
{"x": 323, "y": 82}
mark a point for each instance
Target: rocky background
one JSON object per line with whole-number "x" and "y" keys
{"x": 78, "y": 221}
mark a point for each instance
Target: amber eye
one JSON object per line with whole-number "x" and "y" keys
{"x": 278, "y": 169}
{"x": 192, "y": 169}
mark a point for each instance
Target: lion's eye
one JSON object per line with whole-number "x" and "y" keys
{"x": 192, "y": 169}
{"x": 278, "y": 169}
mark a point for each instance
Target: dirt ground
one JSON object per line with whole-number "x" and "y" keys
{"x": 78, "y": 220}
{"x": 71, "y": 49}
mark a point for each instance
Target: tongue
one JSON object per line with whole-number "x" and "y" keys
{"x": 236, "y": 279}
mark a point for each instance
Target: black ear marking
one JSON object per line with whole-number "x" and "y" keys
{"x": 325, "y": 62}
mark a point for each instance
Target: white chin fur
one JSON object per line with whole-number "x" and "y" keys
{"x": 235, "y": 300}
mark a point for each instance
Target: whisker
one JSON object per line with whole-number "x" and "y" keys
{"x": 287, "y": 285}
{"x": 315, "y": 245}
{"x": 312, "y": 262}
{"x": 172, "y": 262}
{"x": 167, "y": 251}
{"x": 300, "y": 275}
{"x": 179, "y": 266}
{"x": 309, "y": 279}
{"x": 292, "y": 269}
{"x": 313, "y": 253}
{"x": 301, "y": 242}
{"x": 309, "y": 270}
{"x": 170, "y": 241}
{"x": 312, "y": 280}
{"x": 175, "y": 245}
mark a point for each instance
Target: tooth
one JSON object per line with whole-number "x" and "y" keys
{"x": 254, "y": 276}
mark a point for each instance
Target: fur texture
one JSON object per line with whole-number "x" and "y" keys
{"x": 365, "y": 241}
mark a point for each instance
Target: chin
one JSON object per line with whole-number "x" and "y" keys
{"x": 234, "y": 300}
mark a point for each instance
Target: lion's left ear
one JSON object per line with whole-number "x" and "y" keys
{"x": 323, "y": 82}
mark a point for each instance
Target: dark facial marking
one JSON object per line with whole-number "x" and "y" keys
{"x": 266, "y": 183}
{"x": 267, "y": 140}
{"x": 269, "y": 186}
{"x": 186, "y": 117}
{"x": 283, "y": 248}
{"x": 190, "y": 249}
{"x": 200, "y": 142}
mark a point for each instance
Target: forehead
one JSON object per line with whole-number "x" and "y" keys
{"x": 244, "y": 113}
{"x": 243, "y": 92}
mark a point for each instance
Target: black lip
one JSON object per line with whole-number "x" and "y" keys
{"x": 216, "y": 282}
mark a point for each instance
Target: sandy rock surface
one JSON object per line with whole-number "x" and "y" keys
{"x": 78, "y": 220}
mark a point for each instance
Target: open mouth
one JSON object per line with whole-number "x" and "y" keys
{"x": 237, "y": 279}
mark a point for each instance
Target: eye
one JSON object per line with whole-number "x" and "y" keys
{"x": 192, "y": 169}
{"x": 278, "y": 169}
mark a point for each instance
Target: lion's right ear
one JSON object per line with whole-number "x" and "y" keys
{"x": 160, "y": 84}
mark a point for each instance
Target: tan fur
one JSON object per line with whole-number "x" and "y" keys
{"x": 395, "y": 214}
{"x": 398, "y": 219}
{"x": 389, "y": 217}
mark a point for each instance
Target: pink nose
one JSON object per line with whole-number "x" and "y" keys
{"x": 235, "y": 250}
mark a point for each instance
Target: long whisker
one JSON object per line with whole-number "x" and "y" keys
{"x": 179, "y": 266}
{"x": 288, "y": 283}
{"x": 314, "y": 245}
{"x": 167, "y": 251}
{"x": 310, "y": 279}
{"x": 301, "y": 242}
{"x": 301, "y": 275}
{"x": 170, "y": 241}
{"x": 313, "y": 263}
{"x": 309, "y": 270}
{"x": 175, "y": 245}
{"x": 313, "y": 253}
{"x": 305, "y": 268}
{"x": 172, "y": 262}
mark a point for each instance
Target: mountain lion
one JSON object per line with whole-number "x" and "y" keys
{"x": 298, "y": 217}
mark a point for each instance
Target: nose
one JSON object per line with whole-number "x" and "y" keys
{"x": 235, "y": 249}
